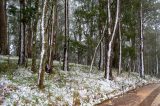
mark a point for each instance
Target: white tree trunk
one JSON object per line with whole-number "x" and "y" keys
{"x": 43, "y": 52}
{"x": 109, "y": 35}
{"x": 112, "y": 36}
{"x": 157, "y": 66}
{"x": 120, "y": 49}
{"x": 142, "y": 47}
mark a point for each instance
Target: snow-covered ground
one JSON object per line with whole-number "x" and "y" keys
{"x": 73, "y": 88}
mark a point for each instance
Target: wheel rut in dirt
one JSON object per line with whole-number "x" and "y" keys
{"x": 149, "y": 99}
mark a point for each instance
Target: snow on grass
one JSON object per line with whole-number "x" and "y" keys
{"x": 5, "y": 57}
{"x": 76, "y": 87}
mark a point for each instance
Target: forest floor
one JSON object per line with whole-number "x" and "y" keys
{"x": 18, "y": 86}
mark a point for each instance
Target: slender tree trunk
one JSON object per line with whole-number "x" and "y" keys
{"x": 7, "y": 26}
{"x": 79, "y": 52}
{"x": 53, "y": 35}
{"x": 29, "y": 40}
{"x": 3, "y": 28}
{"x": 101, "y": 57}
{"x": 120, "y": 49}
{"x": 141, "y": 39}
{"x": 68, "y": 40}
{"x": 65, "y": 60}
{"x": 157, "y": 65}
{"x": 95, "y": 53}
{"x": 100, "y": 26}
{"x": 107, "y": 66}
{"x": 51, "y": 40}
{"x": 33, "y": 68}
{"x": 7, "y": 32}
{"x": 111, "y": 36}
{"x": 26, "y": 46}
{"x": 29, "y": 34}
{"x": 137, "y": 50}
{"x": 99, "y": 43}
{"x": 120, "y": 41}
{"x": 22, "y": 59}
{"x": 43, "y": 52}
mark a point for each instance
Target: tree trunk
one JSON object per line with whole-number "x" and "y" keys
{"x": 120, "y": 50}
{"x": 120, "y": 44}
{"x": 53, "y": 34}
{"x": 43, "y": 52}
{"x": 3, "y": 29}
{"x": 100, "y": 26}
{"x": 111, "y": 36}
{"x": 101, "y": 57}
{"x": 79, "y": 52}
{"x": 22, "y": 34}
{"x": 33, "y": 68}
{"x": 156, "y": 47}
{"x": 65, "y": 60}
{"x": 141, "y": 39}
{"x": 95, "y": 53}
{"x": 29, "y": 40}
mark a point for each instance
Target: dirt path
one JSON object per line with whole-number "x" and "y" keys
{"x": 148, "y": 95}
{"x": 156, "y": 101}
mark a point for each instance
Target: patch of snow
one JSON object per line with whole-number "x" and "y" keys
{"x": 91, "y": 88}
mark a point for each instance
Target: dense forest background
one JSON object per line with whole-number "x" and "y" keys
{"x": 107, "y": 34}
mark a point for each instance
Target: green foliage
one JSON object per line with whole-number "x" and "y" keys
{"x": 76, "y": 46}
{"x": 129, "y": 52}
{"x": 12, "y": 10}
{"x": 29, "y": 13}
{"x": 6, "y": 68}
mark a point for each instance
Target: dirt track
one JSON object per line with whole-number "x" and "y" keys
{"x": 148, "y": 95}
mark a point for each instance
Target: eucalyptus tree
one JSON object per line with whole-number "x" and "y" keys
{"x": 44, "y": 47}
{"x": 120, "y": 42}
{"x": 141, "y": 39}
{"x": 110, "y": 37}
